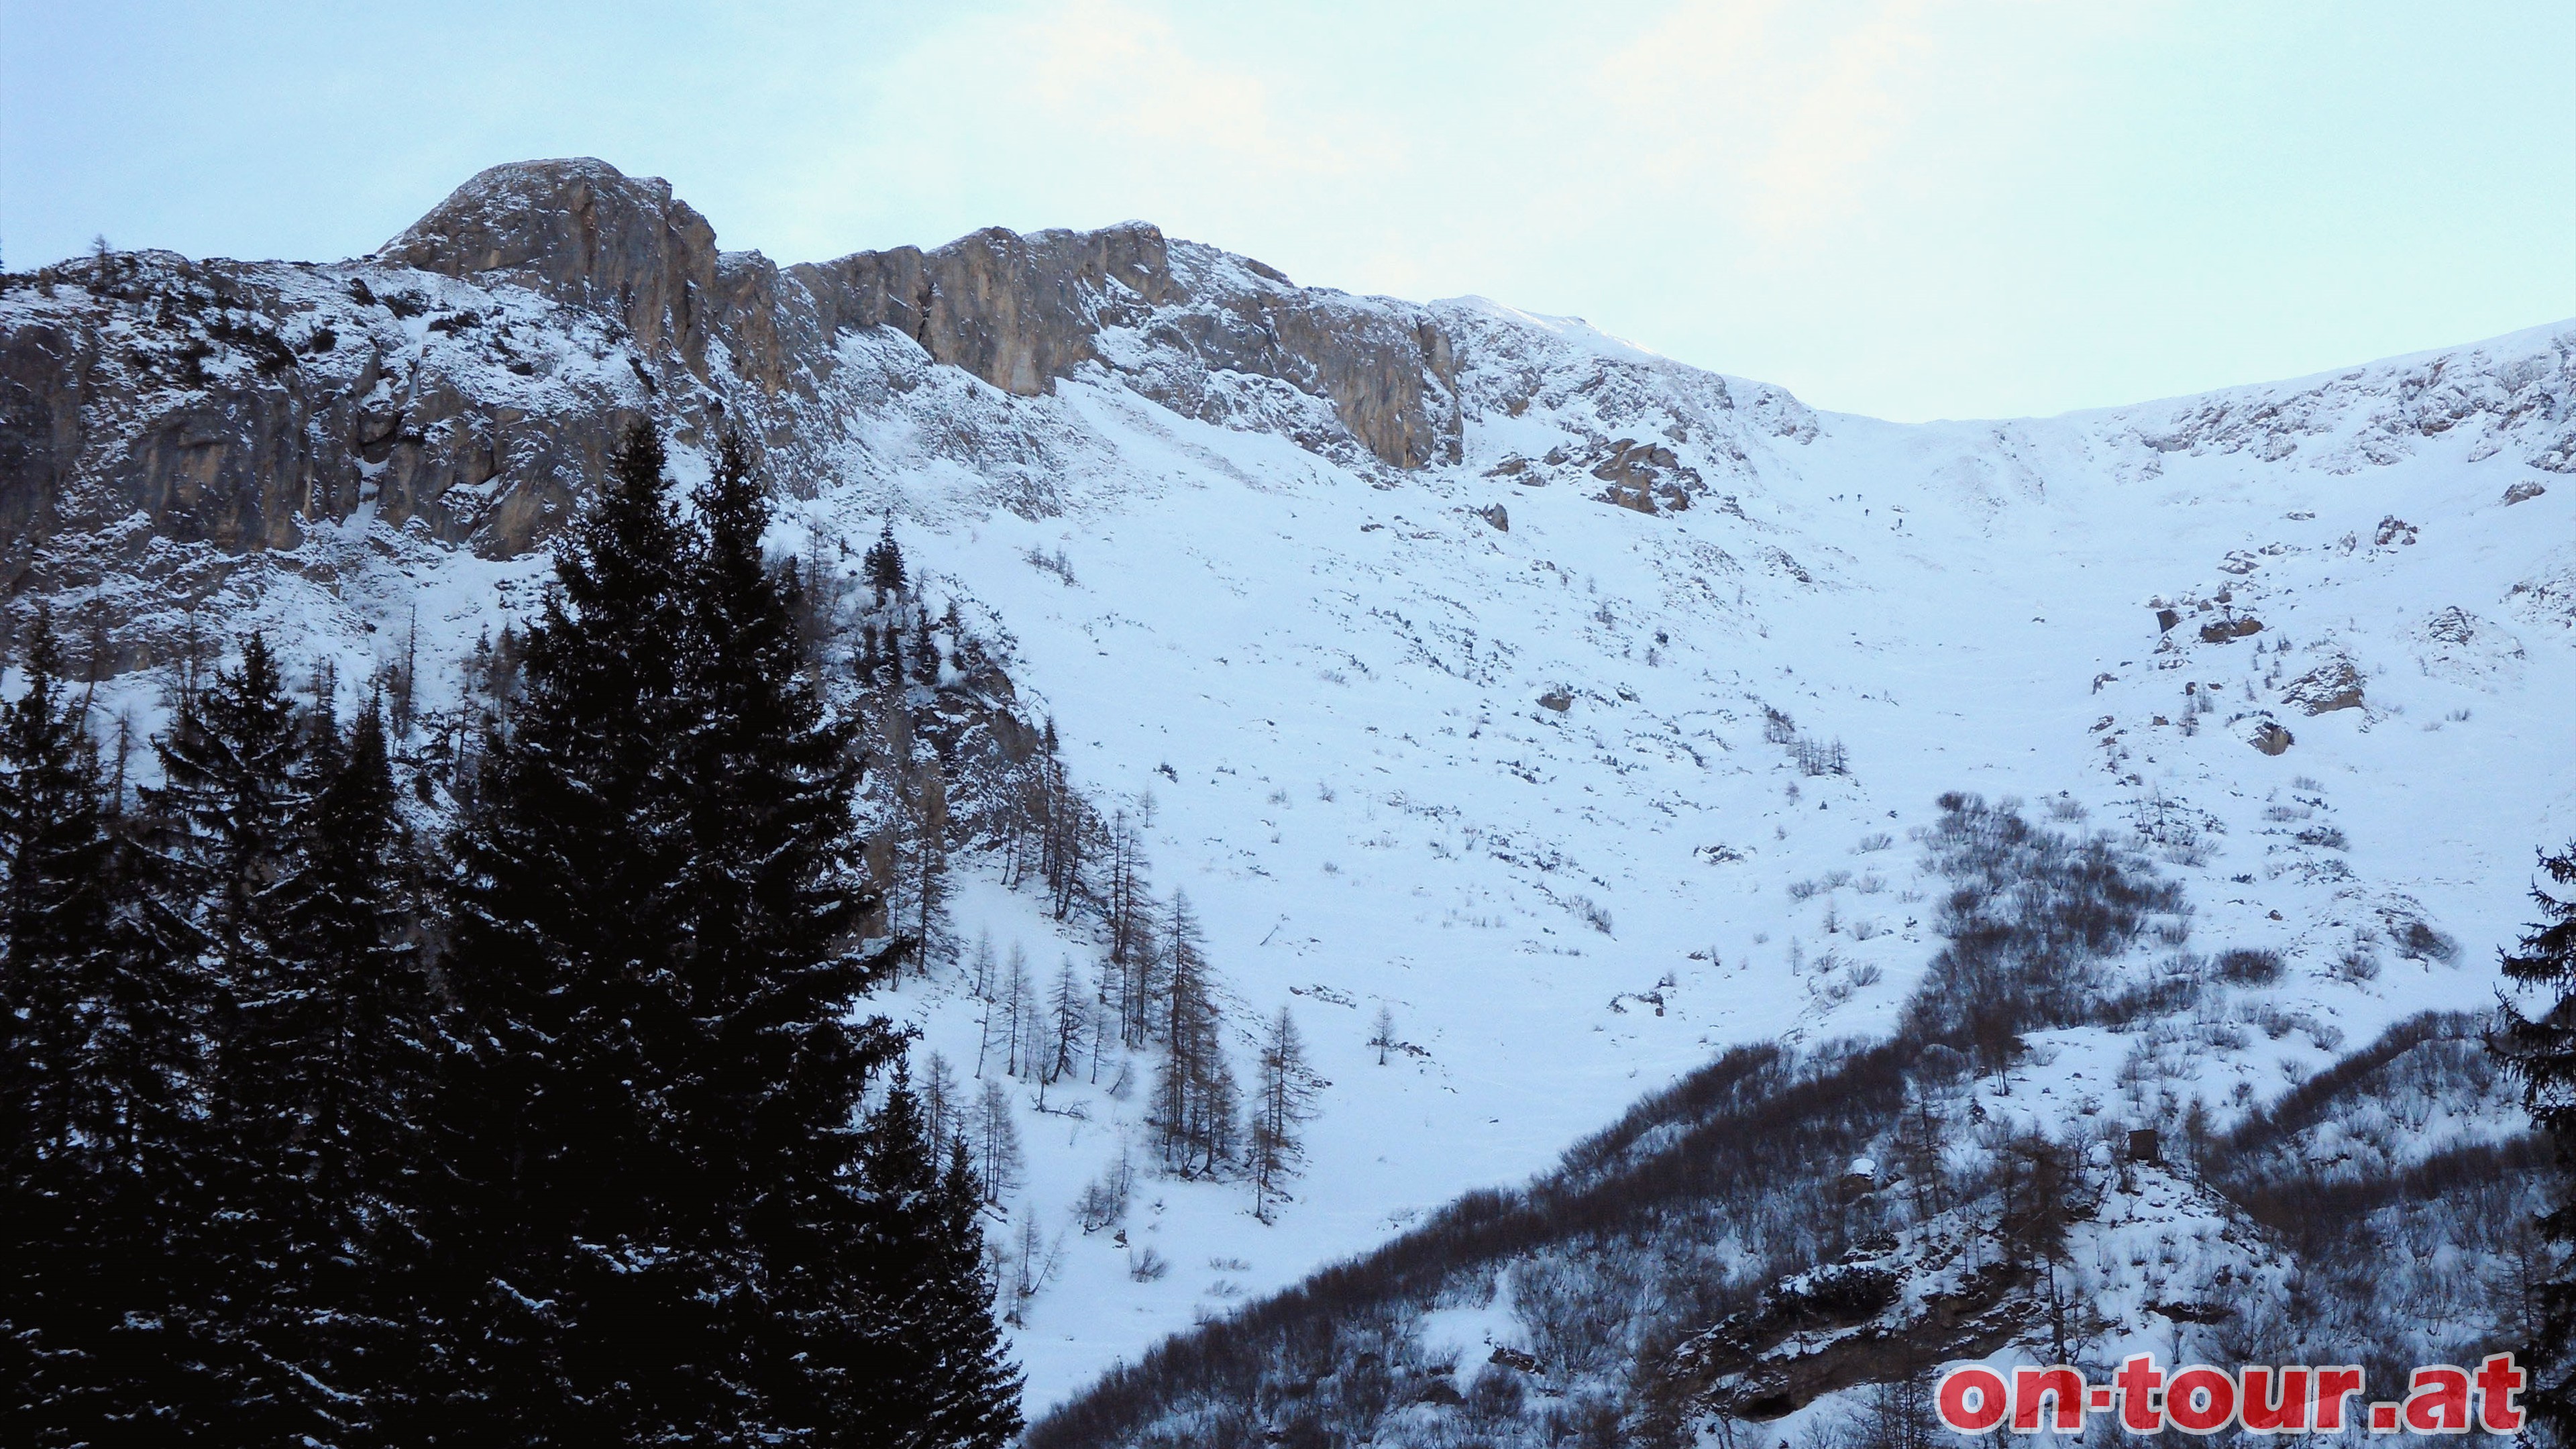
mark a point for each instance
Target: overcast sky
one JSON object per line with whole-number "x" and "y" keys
{"x": 1908, "y": 209}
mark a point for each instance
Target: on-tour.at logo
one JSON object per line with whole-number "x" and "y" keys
{"x": 2199, "y": 1399}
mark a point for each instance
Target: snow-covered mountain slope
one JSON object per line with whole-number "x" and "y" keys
{"x": 1413, "y": 757}
{"x": 1571, "y": 702}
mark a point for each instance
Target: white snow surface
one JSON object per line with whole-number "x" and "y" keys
{"x": 1327, "y": 683}
{"x": 1322, "y": 681}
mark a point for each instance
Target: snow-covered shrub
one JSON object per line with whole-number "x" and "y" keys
{"x": 2421, "y": 942}
{"x": 1591, "y": 913}
{"x": 2031, "y": 916}
{"x": 2243, "y": 966}
{"x": 1495, "y": 1394}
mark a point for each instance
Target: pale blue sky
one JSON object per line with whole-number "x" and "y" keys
{"x": 1910, "y": 209}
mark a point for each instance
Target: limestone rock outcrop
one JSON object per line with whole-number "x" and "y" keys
{"x": 2331, "y": 686}
{"x": 234, "y": 406}
{"x": 1022, "y": 312}
{"x": 472, "y": 374}
{"x": 581, "y": 233}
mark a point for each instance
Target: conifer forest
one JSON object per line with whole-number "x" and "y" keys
{"x": 566, "y": 1124}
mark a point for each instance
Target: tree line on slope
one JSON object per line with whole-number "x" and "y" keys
{"x": 1661, "y": 1250}
{"x": 964, "y": 774}
{"x": 1664, "y": 1223}
{"x": 560, "y": 1130}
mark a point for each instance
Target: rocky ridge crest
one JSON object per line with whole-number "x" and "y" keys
{"x": 164, "y": 421}
{"x": 469, "y": 374}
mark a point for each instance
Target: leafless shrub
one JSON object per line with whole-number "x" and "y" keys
{"x": 2242, "y": 966}
{"x": 1820, "y": 758}
{"x": 1591, "y": 913}
{"x": 1104, "y": 1199}
{"x": 2030, "y": 914}
{"x": 1050, "y": 563}
{"x": 2420, "y": 942}
{"x": 2190, "y": 856}
{"x": 1495, "y": 1394}
{"x": 2275, "y": 1022}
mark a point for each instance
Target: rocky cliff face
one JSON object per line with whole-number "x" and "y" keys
{"x": 583, "y": 235}
{"x": 1021, "y": 312}
{"x": 471, "y": 374}
{"x": 235, "y": 406}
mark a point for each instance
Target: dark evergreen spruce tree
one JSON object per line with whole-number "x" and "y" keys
{"x": 2541, "y": 1050}
{"x": 657, "y": 944}
{"x": 925, "y": 651}
{"x": 776, "y": 887}
{"x": 884, "y": 564}
{"x": 350, "y": 1069}
{"x": 943, "y": 1380}
{"x": 100, "y": 1128}
{"x": 228, "y": 817}
{"x": 589, "y": 1325}
{"x": 53, "y": 847}
{"x": 228, "y": 807}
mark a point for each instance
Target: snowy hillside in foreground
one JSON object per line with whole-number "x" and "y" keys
{"x": 1471, "y": 740}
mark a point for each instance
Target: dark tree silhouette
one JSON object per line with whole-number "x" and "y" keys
{"x": 657, "y": 943}
{"x": 2541, "y": 1052}
{"x": 884, "y": 563}
{"x": 101, "y": 1300}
